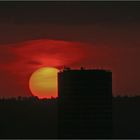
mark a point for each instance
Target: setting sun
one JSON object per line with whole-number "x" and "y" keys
{"x": 43, "y": 82}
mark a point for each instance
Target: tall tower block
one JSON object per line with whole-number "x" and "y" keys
{"x": 84, "y": 104}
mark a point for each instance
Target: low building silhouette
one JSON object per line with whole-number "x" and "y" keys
{"x": 84, "y": 103}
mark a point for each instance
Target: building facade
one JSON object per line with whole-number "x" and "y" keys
{"x": 84, "y": 104}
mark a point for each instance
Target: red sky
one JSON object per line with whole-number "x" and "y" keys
{"x": 19, "y": 60}
{"x": 90, "y": 34}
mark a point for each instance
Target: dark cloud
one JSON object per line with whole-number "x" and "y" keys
{"x": 69, "y": 12}
{"x": 109, "y": 23}
{"x": 117, "y": 35}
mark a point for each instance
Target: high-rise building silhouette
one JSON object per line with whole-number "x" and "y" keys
{"x": 84, "y": 104}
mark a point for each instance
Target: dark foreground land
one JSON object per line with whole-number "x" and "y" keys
{"x": 34, "y": 118}
{"x": 28, "y": 118}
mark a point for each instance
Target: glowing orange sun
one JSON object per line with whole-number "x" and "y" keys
{"x": 43, "y": 82}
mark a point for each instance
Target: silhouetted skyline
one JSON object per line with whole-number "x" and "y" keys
{"x": 31, "y": 118}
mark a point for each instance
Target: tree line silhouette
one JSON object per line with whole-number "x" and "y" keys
{"x": 30, "y": 117}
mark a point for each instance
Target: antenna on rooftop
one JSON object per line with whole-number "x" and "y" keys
{"x": 66, "y": 68}
{"x": 82, "y": 68}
